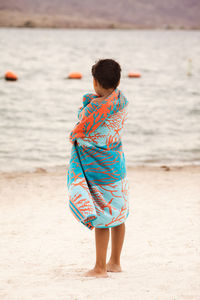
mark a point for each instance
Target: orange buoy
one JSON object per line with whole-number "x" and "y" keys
{"x": 10, "y": 76}
{"x": 134, "y": 75}
{"x": 75, "y": 75}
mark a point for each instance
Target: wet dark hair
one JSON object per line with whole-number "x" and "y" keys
{"x": 107, "y": 72}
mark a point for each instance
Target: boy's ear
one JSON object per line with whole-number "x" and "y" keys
{"x": 118, "y": 82}
{"x": 94, "y": 81}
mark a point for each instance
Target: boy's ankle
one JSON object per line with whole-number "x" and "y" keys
{"x": 100, "y": 268}
{"x": 114, "y": 261}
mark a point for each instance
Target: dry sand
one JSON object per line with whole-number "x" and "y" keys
{"x": 44, "y": 250}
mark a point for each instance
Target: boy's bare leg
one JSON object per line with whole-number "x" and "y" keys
{"x": 117, "y": 236}
{"x": 101, "y": 239}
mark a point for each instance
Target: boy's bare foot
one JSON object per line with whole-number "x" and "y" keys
{"x": 96, "y": 273}
{"x": 111, "y": 267}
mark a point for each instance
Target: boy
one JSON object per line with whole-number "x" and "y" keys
{"x": 99, "y": 189}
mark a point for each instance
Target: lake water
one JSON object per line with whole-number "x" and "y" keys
{"x": 38, "y": 111}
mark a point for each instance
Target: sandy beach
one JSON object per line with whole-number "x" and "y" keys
{"x": 44, "y": 250}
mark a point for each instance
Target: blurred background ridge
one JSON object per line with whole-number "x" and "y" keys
{"x": 182, "y": 14}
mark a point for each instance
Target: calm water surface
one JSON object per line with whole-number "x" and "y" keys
{"x": 38, "y": 111}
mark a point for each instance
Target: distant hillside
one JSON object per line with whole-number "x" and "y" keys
{"x": 101, "y": 13}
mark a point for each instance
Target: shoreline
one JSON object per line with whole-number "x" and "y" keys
{"x": 59, "y": 170}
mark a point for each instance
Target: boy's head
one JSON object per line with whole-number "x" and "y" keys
{"x": 106, "y": 74}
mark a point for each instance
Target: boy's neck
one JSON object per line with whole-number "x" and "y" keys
{"x": 106, "y": 93}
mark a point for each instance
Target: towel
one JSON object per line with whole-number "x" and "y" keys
{"x": 97, "y": 178}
